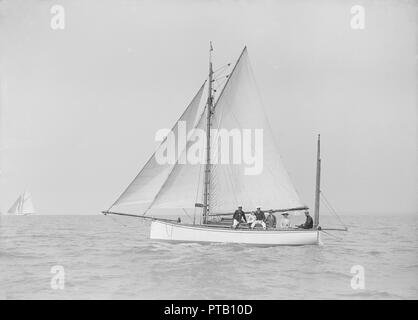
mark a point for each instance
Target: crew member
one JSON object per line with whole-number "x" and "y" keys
{"x": 239, "y": 216}
{"x": 308, "y": 222}
{"x": 260, "y": 218}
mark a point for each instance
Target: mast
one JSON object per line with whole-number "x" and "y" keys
{"x": 318, "y": 182}
{"x": 208, "y": 126}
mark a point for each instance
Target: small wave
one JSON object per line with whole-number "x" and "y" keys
{"x": 336, "y": 273}
{"x": 371, "y": 294}
{"x": 374, "y": 253}
{"x": 18, "y": 255}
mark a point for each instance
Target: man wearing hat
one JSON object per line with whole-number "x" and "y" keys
{"x": 260, "y": 218}
{"x": 284, "y": 221}
{"x": 238, "y": 217}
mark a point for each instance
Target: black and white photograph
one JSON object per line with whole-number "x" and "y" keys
{"x": 208, "y": 150}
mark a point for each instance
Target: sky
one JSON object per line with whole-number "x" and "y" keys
{"x": 79, "y": 106}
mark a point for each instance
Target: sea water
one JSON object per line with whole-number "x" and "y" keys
{"x": 103, "y": 257}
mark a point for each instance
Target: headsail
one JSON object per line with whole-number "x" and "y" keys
{"x": 184, "y": 186}
{"x": 148, "y": 183}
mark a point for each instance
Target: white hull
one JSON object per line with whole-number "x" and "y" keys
{"x": 161, "y": 230}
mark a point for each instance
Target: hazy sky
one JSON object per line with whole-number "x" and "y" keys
{"x": 80, "y": 106}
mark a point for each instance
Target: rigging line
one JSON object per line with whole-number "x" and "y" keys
{"x": 213, "y": 143}
{"x": 222, "y": 67}
{"x": 184, "y": 210}
{"x": 153, "y": 155}
{"x": 220, "y": 84}
{"x": 326, "y": 200}
{"x": 332, "y": 235}
{"x": 229, "y": 180}
{"x": 217, "y": 130}
{"x": 135, "y": 215}
{"x": 229, "y": 78}
{"x": 197, "y": 192}
{"x": 117, "y": 222}
{"x": 215, "y": 140}
{"x": 323, "y": 202}
{"x": 224, "y": 77}
{"x": 214, "y": 186}
{"x": 341, "y": 222}
{"x": 214, "y": 194}
{"x": 226, "y": 81}
{"x": 328, "y": 204}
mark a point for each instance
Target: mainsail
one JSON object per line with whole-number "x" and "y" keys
{"x": 240, "y": 106}
{"x": 23, "y": 205}
{"x": 180, "y": 184}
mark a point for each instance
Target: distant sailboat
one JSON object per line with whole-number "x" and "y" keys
{"x": 23, "y": 205}
{"x": 217, "y": 189}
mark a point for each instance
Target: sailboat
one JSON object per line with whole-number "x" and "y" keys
{"x": 23, "y": 205}
{"x": 208, "y": 191}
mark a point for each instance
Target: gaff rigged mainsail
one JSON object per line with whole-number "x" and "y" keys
{"x": 180, "y": 185}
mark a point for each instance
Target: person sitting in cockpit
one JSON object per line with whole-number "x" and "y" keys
{"x": 238, "y": 217}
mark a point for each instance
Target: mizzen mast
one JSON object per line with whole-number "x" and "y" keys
{"x": 318, "y": 182}
{"x": 208, "y": 126}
